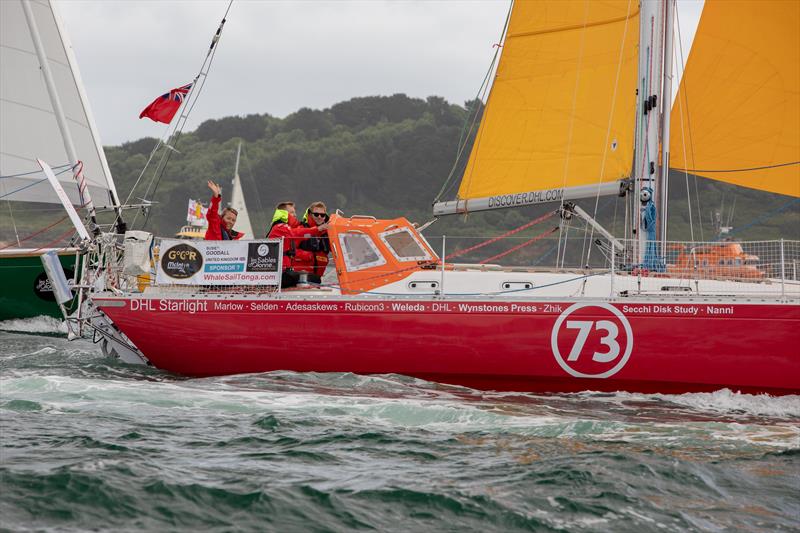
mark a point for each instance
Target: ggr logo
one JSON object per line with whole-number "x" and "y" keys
{"x": 594, "y": 343}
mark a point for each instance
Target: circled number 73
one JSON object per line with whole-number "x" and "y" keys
{"x": 584, "y": 327}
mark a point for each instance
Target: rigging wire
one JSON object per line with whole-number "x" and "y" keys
{"x": 474, "y": 112}
{"x": 730, "y": 214}
{"x": 34, "y": 172}
{"x": 689, "y": 130}
{"x": 58, "y": 239}
{"x": 183, "y": 118}
{"x": 56, "y": 223}
{"x": 64, "y": 168}
{"x": 766, "y": 216}
{"x": 564, "y": 227}
{"x": 767, "y": 167}
{"x": 545, "y": 255}
{"x": 479, "y": 97}
{"x": 15, "y": 191}
{"x": 661, "y": 179}
{"x": 572, "y": 116}
{"x": 141, "y": 174}
{"x": 487, "y": 242}
{"x": 13, "y": 222}
{"x": 28, "y": 186}
{"x": 608, "y": 129}
{"x": 519, "y": 246}
{"x": 686, "y": 179}
{"x": 189, "y": 103}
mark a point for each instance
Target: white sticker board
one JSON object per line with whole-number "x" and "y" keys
{"x": 196, "y": 214}
{"x": 219, "y": 262}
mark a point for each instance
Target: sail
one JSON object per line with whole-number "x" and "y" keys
{"x": 560, "y": 115}
{"x": 237, "y": 202}
{"x": 28, "y": 123}
{"x": 736, "y": 117}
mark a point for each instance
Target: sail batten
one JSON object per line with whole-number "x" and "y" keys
{"x": 560, "y": 114}
{"x": 573, "y": 27}
{"x": 737, "y": 112}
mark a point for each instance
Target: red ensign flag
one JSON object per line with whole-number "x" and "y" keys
{"x": 163, "y": 108}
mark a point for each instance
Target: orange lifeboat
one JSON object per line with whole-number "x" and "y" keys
{"x": 726, "y": 260}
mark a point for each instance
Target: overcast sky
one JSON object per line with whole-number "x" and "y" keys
{"x": 278, "y": 56}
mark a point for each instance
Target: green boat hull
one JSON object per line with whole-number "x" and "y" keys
{"x": 24, "y": 289}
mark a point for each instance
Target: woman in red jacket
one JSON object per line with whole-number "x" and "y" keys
{"x": 220, "y": 228}
{"x": 285, "y": 225}
{"x": 315, "y": 215}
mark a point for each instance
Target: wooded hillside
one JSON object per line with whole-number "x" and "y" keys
{"x": 386, "y": 156}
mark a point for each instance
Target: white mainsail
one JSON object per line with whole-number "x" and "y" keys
{"x": 237, "y": 202}
{"x": 29, "y": 126}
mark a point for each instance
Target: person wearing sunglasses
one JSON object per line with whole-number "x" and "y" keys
{"x": 315, "y": 216}
{"x": 295, "y": 259}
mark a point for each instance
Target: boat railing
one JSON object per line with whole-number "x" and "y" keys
{"x": 768, "y": 267}
{"x": 709, "y": 259}
{"x": 765, "y": 268}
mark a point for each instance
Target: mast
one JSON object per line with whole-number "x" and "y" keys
{"x": 648, "y": 122}
{"x": 58, "y": 109}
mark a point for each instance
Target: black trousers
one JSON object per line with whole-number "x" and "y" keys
{"x": 291, "y": 277}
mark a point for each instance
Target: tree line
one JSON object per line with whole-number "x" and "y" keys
{"x": 389, "y": 156}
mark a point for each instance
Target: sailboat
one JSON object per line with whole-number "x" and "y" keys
{"x": 577, "y": 111}
{"x": 44, "y": 113}
{"x": 243, "y": 224}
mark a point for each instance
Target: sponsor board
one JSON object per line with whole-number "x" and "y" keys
{"x": 219, "y": 262}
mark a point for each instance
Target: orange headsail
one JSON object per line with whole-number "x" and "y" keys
{"x": 561, "y": 109}
{"x": 736, "y": 117}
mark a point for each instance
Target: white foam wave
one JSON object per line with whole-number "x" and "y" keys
{"x": 727, "y": 401}
{"x": 38, "y": 324}
{"x": 201, "y": 398}
{"x": 723, "y": 402}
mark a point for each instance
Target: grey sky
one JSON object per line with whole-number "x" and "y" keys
{"x": 278, "y": 56}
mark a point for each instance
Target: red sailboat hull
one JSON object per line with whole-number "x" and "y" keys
{"x": 526, "y": 346}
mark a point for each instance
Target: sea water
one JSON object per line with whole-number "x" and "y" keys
{"x": 87, "y": 442}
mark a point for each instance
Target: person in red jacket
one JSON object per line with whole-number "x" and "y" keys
{"x": 220, "y": 228}
{"x": 286, "y": 226}
{"x": 315, "y": 215}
